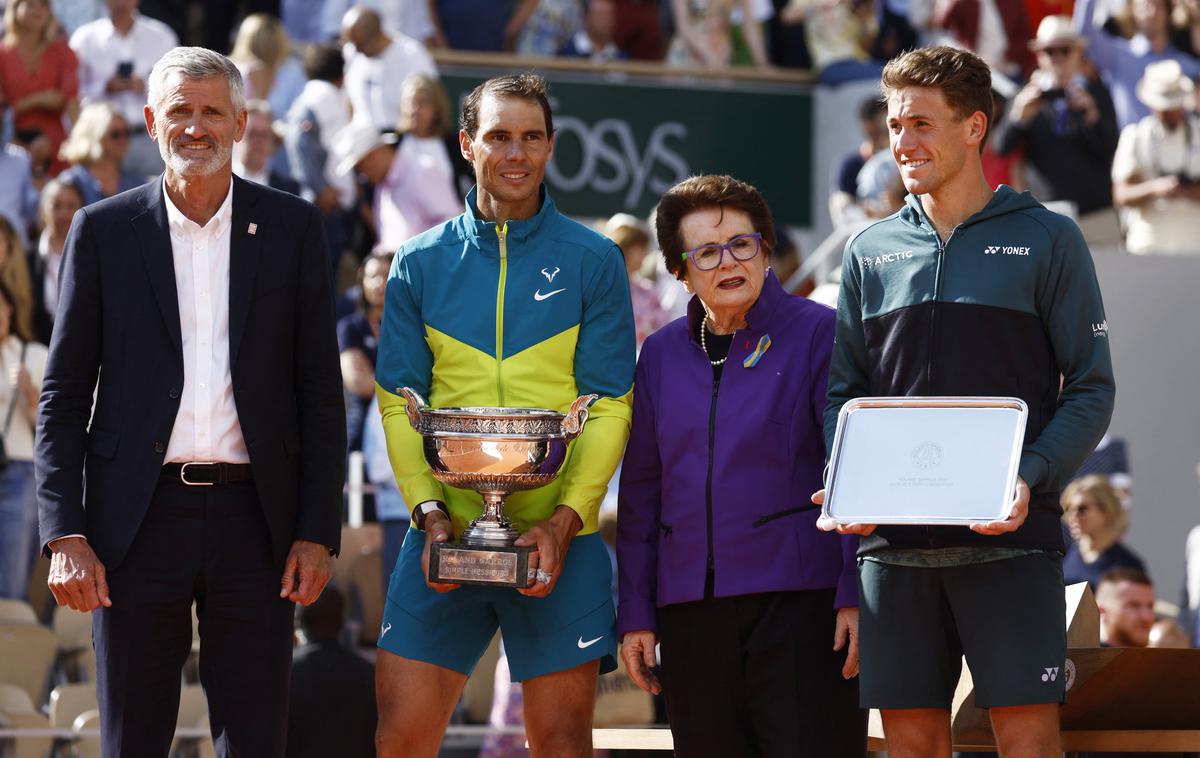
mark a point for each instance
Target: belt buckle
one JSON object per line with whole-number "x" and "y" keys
{"x": 183, "y": 473}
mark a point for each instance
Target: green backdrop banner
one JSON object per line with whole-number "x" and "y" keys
{"x": 621, "y": 144}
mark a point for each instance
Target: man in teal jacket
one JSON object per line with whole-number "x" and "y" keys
{"x": 509, "y": 304}
{"x": 969, "y": 291}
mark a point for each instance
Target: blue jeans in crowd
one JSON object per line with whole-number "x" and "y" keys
{"x": 18, "y": 522}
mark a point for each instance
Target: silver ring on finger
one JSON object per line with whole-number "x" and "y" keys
{"x": 543, "y": 576}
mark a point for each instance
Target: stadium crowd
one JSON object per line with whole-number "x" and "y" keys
{"x": 1100, "y": 119}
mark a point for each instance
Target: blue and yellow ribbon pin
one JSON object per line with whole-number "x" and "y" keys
{"x": 764, "y": 345}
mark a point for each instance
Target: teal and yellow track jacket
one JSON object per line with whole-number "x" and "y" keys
{"x": 526, "y": 313}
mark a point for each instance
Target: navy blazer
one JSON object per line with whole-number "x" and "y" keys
{"x": 118, "y": 323}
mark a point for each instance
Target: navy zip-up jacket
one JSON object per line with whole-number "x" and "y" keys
{"x": 1007, "y": 306}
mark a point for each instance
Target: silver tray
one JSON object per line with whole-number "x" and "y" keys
{"x": 924, "y": 460}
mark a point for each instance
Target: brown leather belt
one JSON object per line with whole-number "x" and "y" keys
{"x": 205, "y": 474}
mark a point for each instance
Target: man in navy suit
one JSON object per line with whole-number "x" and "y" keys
{"x": 210, "y": 467}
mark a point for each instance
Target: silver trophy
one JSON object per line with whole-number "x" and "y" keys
{"x": 494, "y": 451}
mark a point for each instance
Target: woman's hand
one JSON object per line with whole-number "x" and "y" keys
{"x": 51, "y": 100}
{"x": 845, "y": 635}
{"x": 638, "y": 652}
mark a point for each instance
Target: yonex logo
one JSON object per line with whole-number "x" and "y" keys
{"x": 1050, "y": 674}
{"x": 1006, "y": 250}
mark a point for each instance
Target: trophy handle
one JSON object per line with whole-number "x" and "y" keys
{"x": 577, "y": 416}
{"x": 413, "y": 405}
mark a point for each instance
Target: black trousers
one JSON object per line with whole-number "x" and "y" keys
{"x": 756, "y": 675}
{"x": 211, "y": 545}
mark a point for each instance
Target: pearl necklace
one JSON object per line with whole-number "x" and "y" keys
{"x": 704, "y": 343}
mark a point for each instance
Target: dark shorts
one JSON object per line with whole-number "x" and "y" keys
{"x": 1008, "y": 617}
{"x": 571, "y": 626}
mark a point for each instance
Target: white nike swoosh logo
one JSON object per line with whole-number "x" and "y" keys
{"x": 589, "y": 643}
{"x": 540, "y": 297}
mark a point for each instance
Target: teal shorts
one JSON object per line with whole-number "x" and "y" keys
{"x": 574, "y": 624}
{"x": 1007, "y": 617}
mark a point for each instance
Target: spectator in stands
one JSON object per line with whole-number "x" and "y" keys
{"x": 331, "y": 696}
{"x": 60, "y": 200}
{"x": 702, "y": 34}
{"x": 358, "y": 341}
{"x": 1122, "y": 62}
{"x": 263, "y": 54}
{"x": 18, "y": 195}
{"x": 410, "y": 18}
{"x": 1189, "y": 612}
{"x": 484, "y": 25}
{"x": 840, "y": 36}
{"x": 726, "y": 631}
{"x": 639, "y": 29}
{"x": 252, "y": 156}
{"x": 1097, "y": 521}
{"x": 416, "y": 174}
{"x": 115, "y": 57}
{"x": 997, "y": 30}
{"x": 72, "y": 14}
{"x": 381, "y": 61}
{"x": 391, "y": 510}
{"x": 1126, "y": 600}
{"x": 14, "y": 274}
{"x": 872, "y": 118}
{"x": 595, "y": 40}
{"x": 39, "y": 79}
{"x": 1169, "y": 634}
{"x": 632, "y": 235}
{"x": 1185, "y": 26}
{"x": 94, "y": 150}
{"x": 22, "y": 363}
{"x": 318, "y": 113}
{"x": 1156, "y": 170}
{"x": 1065, "y": 126}
{"x": 542, "y": 27}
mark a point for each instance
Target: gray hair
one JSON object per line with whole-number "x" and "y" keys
{"x": 195, "y": 63}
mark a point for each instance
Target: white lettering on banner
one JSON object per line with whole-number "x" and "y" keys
{"x": 625, "y": 169}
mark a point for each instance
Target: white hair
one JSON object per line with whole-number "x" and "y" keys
{"x": 195, "y": 63}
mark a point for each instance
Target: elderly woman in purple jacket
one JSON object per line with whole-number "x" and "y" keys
{"x": 719, "y": 559}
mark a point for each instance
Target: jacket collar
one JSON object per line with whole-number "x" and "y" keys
{"x": 757, "y": 318}
{"x": 482, "y": 231}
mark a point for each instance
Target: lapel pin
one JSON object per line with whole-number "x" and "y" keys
{"x": 764, "y": 344}
{"x": 253, "y": 228}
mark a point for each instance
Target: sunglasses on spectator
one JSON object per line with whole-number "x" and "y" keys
{"x": 119, "y": 133}
{"x": 742, "y": 247}
{"x": 1058, "y": 52}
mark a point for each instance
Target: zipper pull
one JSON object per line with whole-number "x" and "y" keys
{"x": 501, "y": 233}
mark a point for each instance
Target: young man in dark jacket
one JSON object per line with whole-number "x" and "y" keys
{"x": 969, "y": 291}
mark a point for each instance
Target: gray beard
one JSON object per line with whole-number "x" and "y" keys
{"x": 184, "y": 167}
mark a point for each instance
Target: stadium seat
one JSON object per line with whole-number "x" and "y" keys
{"x": 67, "y": 701}
{"x": 87, "y": 747}
{"x": 367, "y": 593}
{"x": 355, "y": 542}
{"x": 16, "y": 612}
{"x": 17, "y": 712}
{"x": 76, "y": 658}
{"x": 26, "y": 657}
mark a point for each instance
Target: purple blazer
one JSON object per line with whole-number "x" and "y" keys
{"x": 768, "y": 455}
